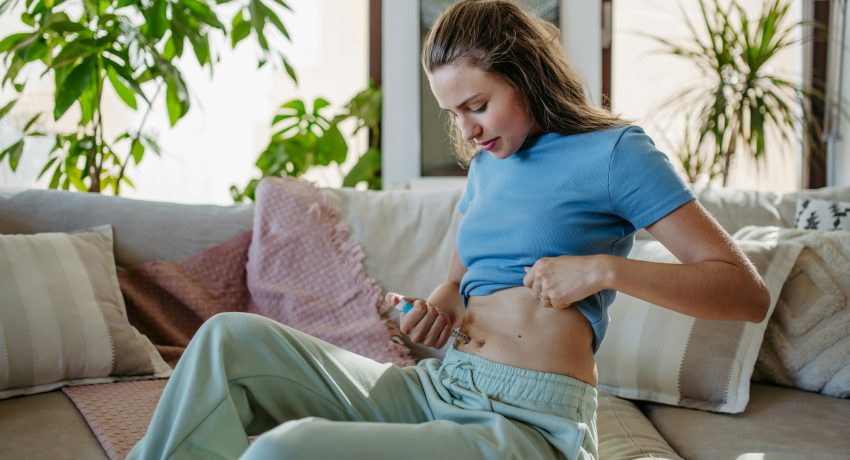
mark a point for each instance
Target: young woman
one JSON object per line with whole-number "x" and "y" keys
{"x": 555, "y": 192}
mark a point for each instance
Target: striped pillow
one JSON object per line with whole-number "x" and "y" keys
{"x": 655, "y": 354}
{"x": 62, "y": 317}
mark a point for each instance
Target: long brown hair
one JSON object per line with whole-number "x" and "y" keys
{"x": 502, "y": 38}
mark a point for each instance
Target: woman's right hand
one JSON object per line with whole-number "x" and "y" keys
{"x": 426, "y": 324}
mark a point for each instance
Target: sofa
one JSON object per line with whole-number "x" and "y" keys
{"x": 778, "y": 419}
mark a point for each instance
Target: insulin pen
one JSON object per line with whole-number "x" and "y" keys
{"x": 398, "y": 302}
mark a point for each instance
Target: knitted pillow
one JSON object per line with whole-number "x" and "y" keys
{"x": 304, "y": 271}
{"x": 807, "y": 345}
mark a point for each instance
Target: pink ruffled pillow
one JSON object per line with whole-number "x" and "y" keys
{"x": 304, "y": 271}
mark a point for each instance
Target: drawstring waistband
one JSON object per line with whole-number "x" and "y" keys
{"x": 479, "y": 379}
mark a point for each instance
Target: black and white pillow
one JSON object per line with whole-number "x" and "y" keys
{"x": 815, "y": 214}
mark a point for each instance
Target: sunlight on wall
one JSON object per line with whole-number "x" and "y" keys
{"x": 643, "y": 78}
{"x": 227, "y": 127}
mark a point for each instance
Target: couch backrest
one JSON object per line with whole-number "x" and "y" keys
{"x": 407, "y": 236}
{"x": 144, "y": 230}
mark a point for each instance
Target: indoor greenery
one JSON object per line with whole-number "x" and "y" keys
{"x": 744, "y": 98}
{"x": 309, "y": 137}
{"x": 130, "y": 45}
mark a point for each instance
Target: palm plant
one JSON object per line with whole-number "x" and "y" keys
{"x": 742, "y": 99}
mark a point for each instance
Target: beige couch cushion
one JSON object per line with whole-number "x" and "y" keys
{"x": 144, "y": 230}
{"x": 625, "y": 433}
{"x": 45, "y": 426}
{"x": 779, "y": 423}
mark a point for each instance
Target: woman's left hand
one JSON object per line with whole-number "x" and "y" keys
{"x": 558, "y": 282}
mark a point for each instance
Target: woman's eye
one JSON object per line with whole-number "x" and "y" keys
{"x": 480, "y": 109}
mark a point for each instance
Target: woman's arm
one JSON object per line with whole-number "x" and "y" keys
{"x": 715, "y": 280}
{"x": 447, "y": 295}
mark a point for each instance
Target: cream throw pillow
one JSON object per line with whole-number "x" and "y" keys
{"x": 62, "y": 317}
{"x": 655, "y": 354}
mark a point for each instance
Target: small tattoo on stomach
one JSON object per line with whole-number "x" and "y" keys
{"x": 460, "y": 336}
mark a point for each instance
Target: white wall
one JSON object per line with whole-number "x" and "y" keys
{"x": 216, "y": 144}
{"x": 643, "y": 78}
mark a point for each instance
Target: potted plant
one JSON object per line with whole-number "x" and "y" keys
{"x": 307, "y": 138}
{"x": 129, "y": 45}
{"x": 743, "y": 104}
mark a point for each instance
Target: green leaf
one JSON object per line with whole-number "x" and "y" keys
{"x": 170, "y": 49}
{"x": 240, "y": 29}
{"x": 332, "y": 146}
{"x": 125, "y": 93}
{"x": 14, "y": 152}
{"x": 258, "y": 22}
{"x": 73, "y": 86}
{"x": 27, "y": 19}
{"x": 283, "y": 4}
{"x": 202, "y": 50}
{"x": 177, "y": 101}
{"x": 365, "y": 169}
{"x": 275, "y": 20}
{"x": 157, "y": 20}
{"x": 137, "y": 150}
{"x": 11, "y": 41}
{"x": 61, "y": 23}
{"x": 6, "y": 108}
{"x": 47, "y": 166}
{"x": 289, "y": 69}
{"x": 297, "y": 105}
{"x": 75, "y": 178}
{"x": 31, "y": 122}
{"x": 129, "y": 182}
{"x": 319, "y": 104}
{"x": 71, "y": 53}
{"x": 126, "y": 74}
{"x": 57, "y": 176}
{"x": 202, "y": 11}
{"x": 152, "y": 144}
{"x": 89, "y": 103}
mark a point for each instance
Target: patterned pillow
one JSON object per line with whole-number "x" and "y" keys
{"x": 655, "y": 354}
{"x": 813, "y": 214}
{"x": 62, "y": 317}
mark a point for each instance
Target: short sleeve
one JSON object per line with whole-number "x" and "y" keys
{"x": 469, "y": 192}
{"x": 643, "y": 185}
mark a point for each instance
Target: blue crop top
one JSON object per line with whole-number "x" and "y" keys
{"x": 577, "y": 194}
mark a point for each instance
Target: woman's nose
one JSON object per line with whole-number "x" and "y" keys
{"x": 468, "y": 128}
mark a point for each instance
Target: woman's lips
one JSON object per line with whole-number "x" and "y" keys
{"x": 489, "y": 144}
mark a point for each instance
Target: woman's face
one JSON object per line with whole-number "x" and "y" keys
{"x": 486, "y": 108}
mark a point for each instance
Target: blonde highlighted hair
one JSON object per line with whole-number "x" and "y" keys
{"x": 502, "y": 38}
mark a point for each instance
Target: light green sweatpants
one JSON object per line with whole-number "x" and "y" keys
{"x": 244, "y": 374}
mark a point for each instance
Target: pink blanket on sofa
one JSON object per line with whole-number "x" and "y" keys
{"x": 297, "y": 267}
